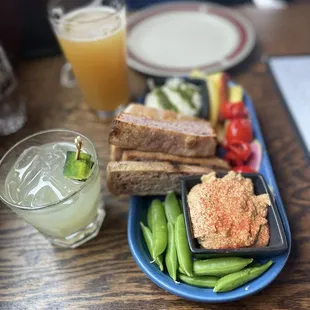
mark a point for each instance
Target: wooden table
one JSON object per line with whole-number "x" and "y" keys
{"x": 102, "y": 274}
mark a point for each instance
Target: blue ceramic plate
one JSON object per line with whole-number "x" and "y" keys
{"x": 137, "y": 213}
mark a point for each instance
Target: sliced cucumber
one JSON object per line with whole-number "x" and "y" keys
{"x": 164, "y": 100}
{"x": 186, "y": 94}
{"x": 77, "y": 169}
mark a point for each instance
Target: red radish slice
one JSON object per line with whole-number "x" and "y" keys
{"x": 256, "y": 156}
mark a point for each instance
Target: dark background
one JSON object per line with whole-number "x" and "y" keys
{"x": 25, "y": 31}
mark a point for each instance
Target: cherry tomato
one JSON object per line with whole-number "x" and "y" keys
{"x": 233, "y": 158}
{"x": 245, "y": 169}
{"x": 230, "y": 110}
{"x": 239, "y": 130}
{"x": 241, "y": 149}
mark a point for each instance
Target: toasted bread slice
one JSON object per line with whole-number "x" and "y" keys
{"x": 116, "y": 153}
{"x": 178, "y": 137}
{"x": 148, "y": 178}
{"x": 156, "y": 114}
{"x": 211, "y": 162}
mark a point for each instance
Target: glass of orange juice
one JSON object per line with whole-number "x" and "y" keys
{"x": 92, "y": 35}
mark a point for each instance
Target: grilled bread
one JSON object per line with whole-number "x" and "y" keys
{"x": 148, "y": 178}
{"x": 116, "y": 153}
{"x": 176, "y": 137}
{"x": 132, "y": 155}
{"x": 156, "y": 114}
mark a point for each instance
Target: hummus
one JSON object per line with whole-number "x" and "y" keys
{"x": 226, "y": 214}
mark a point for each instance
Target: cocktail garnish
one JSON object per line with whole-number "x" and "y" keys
{"x": 78, "y": 144}
{"x": 78, "y": 165}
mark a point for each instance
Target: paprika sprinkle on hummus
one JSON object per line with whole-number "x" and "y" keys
{"x": 226, "y": 213}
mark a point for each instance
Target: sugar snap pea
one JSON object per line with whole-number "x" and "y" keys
{"x": 159, "y": 227}
{"x": 254, "y": 264}
{"x": 236, "y": 279}
{"x": 149, "y": 218}
{"x": 171, "y": 253}
{"x": 202, "y": 281}
{"x": 172, "y": 207}
{"x": 147, "y": 234}
{"x": 181, "y": 270}
{"x": 183, "y": 252}
{"x": 220, "y": 266}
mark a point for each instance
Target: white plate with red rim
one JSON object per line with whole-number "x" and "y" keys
{"x": 172, "y": 39}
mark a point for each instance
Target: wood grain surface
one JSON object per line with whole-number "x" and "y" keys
{"x": 102, "y": 274}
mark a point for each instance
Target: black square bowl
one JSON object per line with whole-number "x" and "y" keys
{"x": 204, "y": 112}
{"x": 277, "y": 243}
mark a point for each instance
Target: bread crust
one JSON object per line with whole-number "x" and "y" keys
{"x": 148, "y": 178}
{"x": 116, "y": 153}
{"x": 156, "y": 114}
{"x": 183, "y": 138}
{"x": 211, "y": 162}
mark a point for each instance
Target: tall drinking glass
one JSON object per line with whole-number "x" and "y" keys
{"x": 92, "y": 35}
{"x": 12, "y": 107}
{"x": 32, "y": 184}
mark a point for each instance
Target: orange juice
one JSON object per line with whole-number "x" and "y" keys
{"x": 93, "y": 40}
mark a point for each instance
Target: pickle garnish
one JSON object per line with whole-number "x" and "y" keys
{"x": 78, "y": 165}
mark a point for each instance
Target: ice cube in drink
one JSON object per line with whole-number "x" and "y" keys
{"x": 58, "y": 207}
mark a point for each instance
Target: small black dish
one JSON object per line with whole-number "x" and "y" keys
{"x": 205, "y": 110}
{"x": 277, "y": 243}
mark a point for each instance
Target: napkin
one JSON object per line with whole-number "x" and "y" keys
{"x": 292, "y": 76}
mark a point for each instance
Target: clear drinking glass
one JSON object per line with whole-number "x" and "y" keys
{"x": 66, "y": 212}
{"x": 92, "y": 34}
{"x": 12, "y": 106}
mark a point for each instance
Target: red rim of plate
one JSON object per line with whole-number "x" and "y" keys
{"x": 193, "y": 7}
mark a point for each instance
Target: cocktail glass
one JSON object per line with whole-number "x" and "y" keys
{"x": 67, "y": 212}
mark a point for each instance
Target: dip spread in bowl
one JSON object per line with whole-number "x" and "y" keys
{"x": 226, "y": 214}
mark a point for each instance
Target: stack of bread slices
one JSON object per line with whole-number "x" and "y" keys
{"x": 152, "y": 149}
